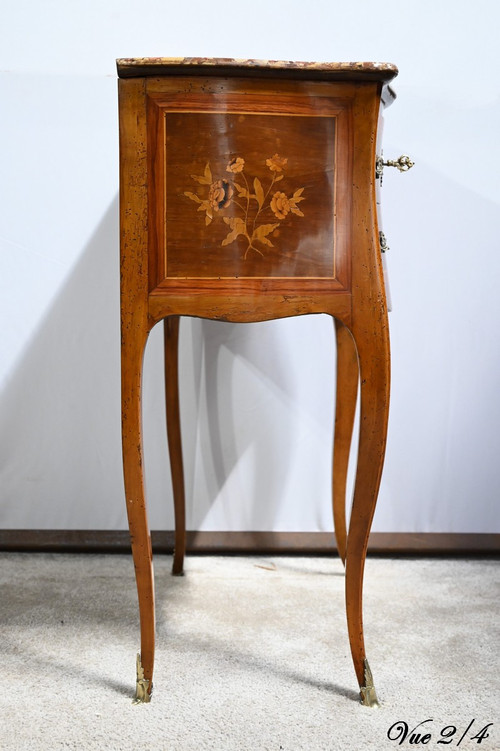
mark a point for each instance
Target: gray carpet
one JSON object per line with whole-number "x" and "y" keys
{"x": 252, "y": 653}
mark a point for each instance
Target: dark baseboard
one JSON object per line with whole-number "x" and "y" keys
{"x": 296, "y": 543}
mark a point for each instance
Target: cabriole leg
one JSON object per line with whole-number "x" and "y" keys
{"x": 345, "y": 408}
{"x": 374, "y": 363}
{"x": 171, "y": 339}
{"x": 132, "y": 357}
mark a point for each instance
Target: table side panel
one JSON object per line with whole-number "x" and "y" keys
{"x": 249, "y": 183}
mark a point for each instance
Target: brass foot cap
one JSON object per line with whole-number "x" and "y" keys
{"x": 369, "y": 696}
{"x": 367, "y": 692}
{"x": 142, "y": 690}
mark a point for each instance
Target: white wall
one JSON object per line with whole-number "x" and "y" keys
{"x": 257, "y": 407}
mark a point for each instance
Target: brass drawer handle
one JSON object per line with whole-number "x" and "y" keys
{"x": 403, "y": 164}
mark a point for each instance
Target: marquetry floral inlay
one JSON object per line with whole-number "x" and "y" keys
{"x": 249, "y": 212}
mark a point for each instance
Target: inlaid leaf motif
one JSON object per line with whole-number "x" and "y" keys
{"x": 192, "y": 196}
{"x": 208, "y": 173}
{"x": 238, "y": 227}
{"x": 242, "y": 192}
{"x": 264, "y": 230}
{"x": 207, "y": 207}
{"x": 259, "y": 192}
{"x": 206, "y": 178}
{"x": 294, "y": 200}
{"x": 224, "y": 194}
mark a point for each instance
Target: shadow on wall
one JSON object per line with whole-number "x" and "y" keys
{"x": 258, "y": 393}
{"x": 61, "y": 467}
{"x": 256, "y": 415}
{"x": 257, "y": 408}
{"x": 442, "y": 472}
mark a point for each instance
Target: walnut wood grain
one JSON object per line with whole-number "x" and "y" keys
{"x": 345, "y": 408}
{"x": 369, "y": 327}
{"x": 135, "y": 328}
{"x": 171, "y": 341}
{"x": 248, "y": 193}
{"x": 198, "y": 124}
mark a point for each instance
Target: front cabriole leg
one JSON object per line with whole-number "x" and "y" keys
{"x": 374, "y": 360}
{"x": 345, "y": 408}
{"x": 133, "y": 343}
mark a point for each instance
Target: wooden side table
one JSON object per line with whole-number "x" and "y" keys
{"x": 247, "y": 194}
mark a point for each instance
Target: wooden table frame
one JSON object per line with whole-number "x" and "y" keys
{"x": 354, "y": 296}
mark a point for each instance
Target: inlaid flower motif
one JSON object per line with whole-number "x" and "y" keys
{"x": 277, "y": 163}
{"x": 236, "y": 165}
{"x": 280, "y": 205}
{"x": 249, "y": 206}
{"x": 220, "y": 194}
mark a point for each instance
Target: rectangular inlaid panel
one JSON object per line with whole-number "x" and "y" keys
{"x": 249, "y": 195}
{"x": 248, "y": 183}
